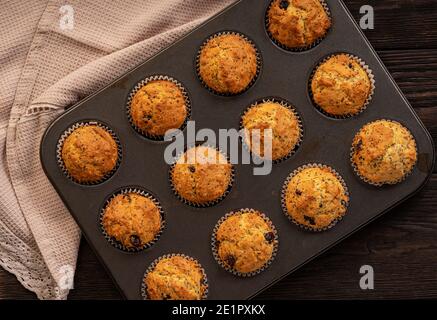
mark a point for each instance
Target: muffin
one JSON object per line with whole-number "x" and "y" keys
{"x": 201, "y": 176}
{"x": 245, "y": 242}
{"x": 297, "y": 24}
{"x": 315, "y": 198}
{"x": 89, "y": 154}
{"x": 228, "y": 63}
{"x": 383, "y": 152}
{"x": 158, "y": 106}
{"x": 341, "y": 86}
{"x": 175, "y": 277}
{"x": 284, "y": 124}
{"x": 132, "y": 220}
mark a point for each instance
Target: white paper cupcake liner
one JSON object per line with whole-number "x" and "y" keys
{"x": 118, "y": 244}
{"x": 214, "y": 245}
{"x": 140, "y": 85}
{"x": 69, "y": 131}
{"x": 284, "y": 195}
{"x": 156, "y": 261}
{"x": 369, "y": 98}
{"x": 287, "y": 105}
{"x": 298, "y": 49}
{"x": 258, "y": 60}
{"x": 368, "y": 181}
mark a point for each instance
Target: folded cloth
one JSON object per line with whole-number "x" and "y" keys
{"x": 52, "y": 54}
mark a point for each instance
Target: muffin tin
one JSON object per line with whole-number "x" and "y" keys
{"x": 326, "y": 140}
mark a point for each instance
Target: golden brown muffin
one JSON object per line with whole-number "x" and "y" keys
{"x": 315, "y": 198}
{"x": 201, "y": 175}
{"x": 132, "y": 219}
{"x": 157, "y": 107}
{"x": 228, "y": 63}
{"x": 175, "y": 278}
{"x": 384, "y": 152}
{"x": 283, "y": 123}
{"x": 341, "y": 86}
{"x": 297, "y": 23}
{"x": 89, "y": 153}
{"x": 245, "y": 242}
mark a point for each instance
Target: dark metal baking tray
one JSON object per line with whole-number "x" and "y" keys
{"x": 284, "y": 74}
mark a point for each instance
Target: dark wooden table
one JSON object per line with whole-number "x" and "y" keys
{"x": 401, "y": 246}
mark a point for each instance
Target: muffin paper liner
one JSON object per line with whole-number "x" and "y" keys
{"x": 369, "y": 98}
{"x": 298, "y": 49}
{"x": 141, "y": 84}
{"x": 206, "y": 204}
{"x": 366, "y": 180}
{"x": 118, "y": 244}
{"x": 285, "y": 104}
{"x": 69, "y": 131}
{"x": 156, "y": 261}
{"x": 214, "y": 246}
{"x": 284, "y": 194}
{"x": 258, "y": 62}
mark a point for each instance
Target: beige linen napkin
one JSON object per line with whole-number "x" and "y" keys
{"x": 45, "y": 67}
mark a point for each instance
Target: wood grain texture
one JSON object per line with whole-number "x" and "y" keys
{"x": 400, "y": 24}
{"x": 402, "y": 245}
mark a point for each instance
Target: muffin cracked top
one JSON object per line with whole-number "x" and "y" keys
{"x": 158, "y": 106}
{"x": 315, "y": 198}
{"x": 341, "y": 86}
{"x": 132, "y": 219}
{"x": 201, "y": 175}
{"x": 89, "y": 153}
{"x": 175, "y": 278}
{"x": 284, "y": 125}
{"x": 297, "y": 23}
{"x": 245, "y": 242}
{"x": 228, "y": 63}
{"x": 384, "y": 152}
